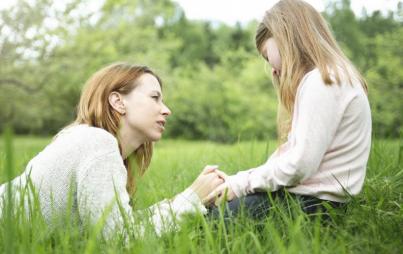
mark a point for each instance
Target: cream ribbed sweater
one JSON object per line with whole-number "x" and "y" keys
{"x": 86, "y": 161}
{"x": 327, "y": 149}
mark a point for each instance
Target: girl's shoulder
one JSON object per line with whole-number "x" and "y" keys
{"x": 312, "y": 77}
{"x": 313, "y": 90}
{"x": 312, "y": 80}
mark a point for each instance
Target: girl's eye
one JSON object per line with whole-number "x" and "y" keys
{"x": 155, "y": 97}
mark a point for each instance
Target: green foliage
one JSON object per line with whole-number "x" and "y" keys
{"x": 385, "y": 80}
{"x": 371, "y": 223}
{"x": 373, "y": 44}
{"x": 214, "y": 79}
{"x": 221, "y": 109}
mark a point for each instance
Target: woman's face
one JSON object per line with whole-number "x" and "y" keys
{"x": 272, "y": 54}
{"x": 145, "y": 112}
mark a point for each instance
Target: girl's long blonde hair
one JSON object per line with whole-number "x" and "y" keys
{"x": 305, "y": 42}
{"x": 94, "y": 109}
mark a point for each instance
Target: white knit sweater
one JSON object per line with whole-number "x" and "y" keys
{"x": 327, "y": 150}
{"x": 86, "y": 161}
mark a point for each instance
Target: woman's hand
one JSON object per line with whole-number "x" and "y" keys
{"x": 206, "y": 182}
{"x": 222, "y": 192}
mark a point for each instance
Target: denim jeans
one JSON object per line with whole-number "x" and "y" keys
{"x": 258, "y": 205}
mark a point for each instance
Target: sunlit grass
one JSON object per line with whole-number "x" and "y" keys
{"x": 373, "y": 222}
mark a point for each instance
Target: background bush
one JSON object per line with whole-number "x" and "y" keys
{"x": 214, "y": 80}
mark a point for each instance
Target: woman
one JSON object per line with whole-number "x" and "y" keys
{"x": 324, "y": 118}
{"x": 120, "y": 114}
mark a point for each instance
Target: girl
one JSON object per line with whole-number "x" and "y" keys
{"x": 324, "y": 109}
{"x": 120, "y": 114}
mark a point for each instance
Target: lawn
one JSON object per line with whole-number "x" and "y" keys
{"x": 372, "y": 223}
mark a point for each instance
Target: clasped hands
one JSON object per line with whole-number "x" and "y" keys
{"x": 212, "y": 186}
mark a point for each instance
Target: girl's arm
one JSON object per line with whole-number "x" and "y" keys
{"x": 316, "y": 117}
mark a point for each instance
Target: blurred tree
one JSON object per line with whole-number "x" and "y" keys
{"x": 29, "y": 33}
{"x": 373, "y": 43}
{"x": 214, "y": 80}
{"x": 346, "y": 29}
{"x": 385, "y": 79}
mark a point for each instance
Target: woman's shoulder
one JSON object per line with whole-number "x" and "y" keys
{"x": 89, "y": 136}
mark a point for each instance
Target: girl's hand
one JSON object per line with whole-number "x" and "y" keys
{"x": 222, "y": 192}
{"x": 206, "y": 182}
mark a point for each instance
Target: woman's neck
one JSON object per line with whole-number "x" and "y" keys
{"x": 129, "y": 141}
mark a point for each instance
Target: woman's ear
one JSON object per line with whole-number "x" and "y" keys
{"x": 275, "y": 72}
{"x": 116, "y": 101}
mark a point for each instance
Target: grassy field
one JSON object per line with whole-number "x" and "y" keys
{"x": 373, "y": 222}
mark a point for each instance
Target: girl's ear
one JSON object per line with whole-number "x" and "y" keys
{"x": 116, "y": 101}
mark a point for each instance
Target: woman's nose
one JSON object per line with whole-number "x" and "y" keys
{"x": 165, "y": 110}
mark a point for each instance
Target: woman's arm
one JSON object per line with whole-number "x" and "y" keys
{"x": 101, "y": 189}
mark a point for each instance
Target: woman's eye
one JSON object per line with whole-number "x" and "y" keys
{"x": 155, "y": 97}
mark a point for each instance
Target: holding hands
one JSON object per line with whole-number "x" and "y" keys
{"x": 211, "y": 186}
{"x": 223, "y": 192}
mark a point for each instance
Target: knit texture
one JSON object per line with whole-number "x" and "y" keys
{"x": 84, "y": 163}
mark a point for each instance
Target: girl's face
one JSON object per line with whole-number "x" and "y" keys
{"x": 272, "y": 54}
{"x": 146, "y": 112}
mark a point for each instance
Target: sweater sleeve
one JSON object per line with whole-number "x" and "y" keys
{"x": 316, "y": 118}
{"x": 102, "y": 196}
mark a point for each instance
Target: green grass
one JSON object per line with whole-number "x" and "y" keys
{"x": 373, "y": 222}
